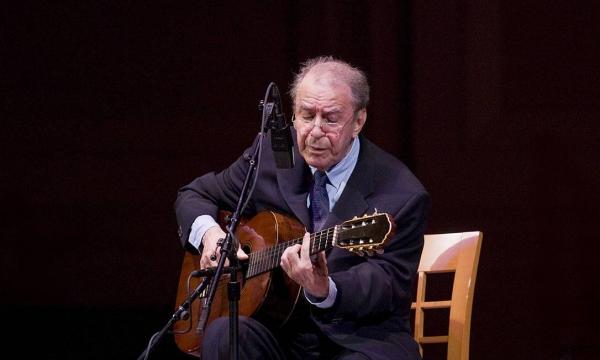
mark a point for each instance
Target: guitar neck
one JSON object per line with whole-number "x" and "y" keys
{"x": 268, "y": 259}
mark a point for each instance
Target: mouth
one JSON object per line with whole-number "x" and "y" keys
{"x": 316, "y": 150}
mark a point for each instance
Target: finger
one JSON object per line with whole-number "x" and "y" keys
{"x": 293, "y": 250}
{"x": 204, "y": 258}
{"x": 305, "y": 250}
{"x": 290, "y": 257}
{"x": 241, "y": 254}
{"x": 206, "y": 262}
{"x": 285, "y": 265}
{"x": 321, "y": 263}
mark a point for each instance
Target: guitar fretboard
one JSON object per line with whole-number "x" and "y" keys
{"x": 268, "y": 259}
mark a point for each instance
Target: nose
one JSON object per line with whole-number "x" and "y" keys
{"x": 317, "y": 125}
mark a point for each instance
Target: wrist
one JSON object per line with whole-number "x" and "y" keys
{"x": 321, "y": 292}
{"x": 214, "y": 232}
{"x": 326, "y": 302}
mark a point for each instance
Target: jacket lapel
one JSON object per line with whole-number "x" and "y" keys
{"x": 293, "y": 185}
{"x": 360, "y": 185}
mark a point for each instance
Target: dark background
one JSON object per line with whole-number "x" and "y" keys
{"x": 109, "y": 107}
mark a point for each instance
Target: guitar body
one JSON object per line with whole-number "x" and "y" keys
{"x": 267, "y": 294}
{"x": 269, "y": 297}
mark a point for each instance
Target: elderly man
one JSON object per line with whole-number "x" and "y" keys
{"x": 352, "y": 307}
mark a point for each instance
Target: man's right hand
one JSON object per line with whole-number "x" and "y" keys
{"x": 210, "y": 250}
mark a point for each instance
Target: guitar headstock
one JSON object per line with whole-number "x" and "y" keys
{"x": 365, "y": 235}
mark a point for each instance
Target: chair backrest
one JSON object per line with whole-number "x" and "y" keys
{"x": 456, "y": 253}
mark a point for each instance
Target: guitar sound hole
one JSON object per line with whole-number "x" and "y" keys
{"x": 246, "y": 248}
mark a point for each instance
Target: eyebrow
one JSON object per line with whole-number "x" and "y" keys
{"x": 331, "y": 110}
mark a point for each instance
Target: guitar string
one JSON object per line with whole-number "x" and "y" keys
{"x": 267, "y": 260}
{"x": 264, "y": 260}
{"x": 266, "y": 256}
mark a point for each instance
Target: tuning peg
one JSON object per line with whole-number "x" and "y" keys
{"x": 370, "y": 252}
{"x": 379, "y": 251}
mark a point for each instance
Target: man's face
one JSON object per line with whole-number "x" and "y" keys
{"x": 325, "y": 120}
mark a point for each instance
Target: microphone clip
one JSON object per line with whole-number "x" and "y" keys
{"x": 269, "y": 115}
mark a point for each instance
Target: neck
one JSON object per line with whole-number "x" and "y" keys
{"x": 268, "y": 259}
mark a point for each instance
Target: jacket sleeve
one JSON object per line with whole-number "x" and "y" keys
{"x": 208, "y": 194}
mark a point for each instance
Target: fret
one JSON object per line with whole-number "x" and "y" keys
{"x": 268, "y": 259}
{"x": 250, "y": 265}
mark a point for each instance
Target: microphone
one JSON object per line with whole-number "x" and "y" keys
{"x": 281, "y": 135}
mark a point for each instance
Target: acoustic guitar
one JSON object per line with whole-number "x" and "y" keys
{"x": 267, "y": 294}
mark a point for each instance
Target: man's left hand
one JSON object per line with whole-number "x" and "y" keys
{"x": 312, "y": 276}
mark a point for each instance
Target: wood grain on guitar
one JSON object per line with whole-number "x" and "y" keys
{"x": 268, "y": 295}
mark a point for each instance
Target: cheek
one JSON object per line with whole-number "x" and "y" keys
{"x": 340, "y": 143}
{"x": 335, "y": 143}
{"x": 300, "y": 139}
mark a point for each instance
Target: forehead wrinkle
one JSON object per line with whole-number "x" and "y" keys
{"x": 330, "y": 103}
{"x": 331, "y": 109}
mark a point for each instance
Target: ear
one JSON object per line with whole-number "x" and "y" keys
{"x": 360, "y": 122}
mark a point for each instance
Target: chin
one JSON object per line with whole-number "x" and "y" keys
{"x": 321, "y": 165}
{"x": 319, "y": 161}
{"x": 313, "y": 161}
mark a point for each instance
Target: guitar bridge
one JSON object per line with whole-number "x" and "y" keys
{"x": 203, "y": 316}
{"x": 204, "y": 311}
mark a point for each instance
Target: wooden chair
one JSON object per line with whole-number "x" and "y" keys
{"x": 447, "y": 253}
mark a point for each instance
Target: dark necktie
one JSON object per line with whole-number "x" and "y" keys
{"x": 319, "y": 201}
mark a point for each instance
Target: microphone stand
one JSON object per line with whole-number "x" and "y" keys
{"x": 180, "y": 313}
{"x": 231, "y": 244}
{"x": 229, "y": 249}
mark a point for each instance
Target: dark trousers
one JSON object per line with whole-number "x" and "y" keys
{"x": 296, "y": 341}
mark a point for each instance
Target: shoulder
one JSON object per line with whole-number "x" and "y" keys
{"x": 388, "y": 170}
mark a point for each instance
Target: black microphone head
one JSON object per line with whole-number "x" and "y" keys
{"x": 275, "y": 91}
{"x": 283, "y": 147}
{"x": 279, "y": 121}
{"x": 281, "y": 136}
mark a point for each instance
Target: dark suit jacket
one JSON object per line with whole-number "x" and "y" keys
{"x": 372, "y": 309}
